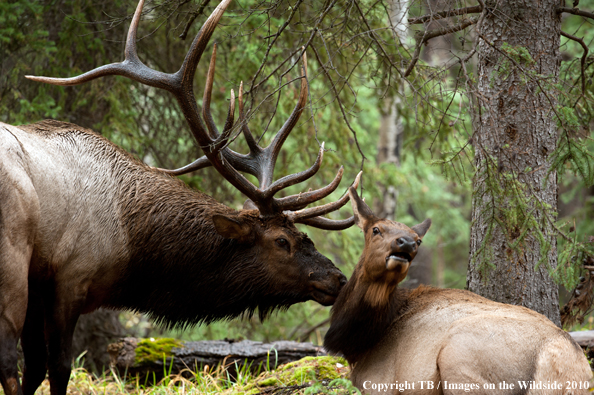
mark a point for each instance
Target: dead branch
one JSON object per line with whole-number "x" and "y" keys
{"x": 445, "y": 14}
{"x": 271, "y": 44}
{"x": 336, "y": 94}
{"x": 575, "y": 11}
{"x": 428, "y": 35}
{"x": 584, "y": 57}
{"x": 192, "y": 18}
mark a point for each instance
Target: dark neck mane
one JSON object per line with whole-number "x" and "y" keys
{"x": 356, "y": 326}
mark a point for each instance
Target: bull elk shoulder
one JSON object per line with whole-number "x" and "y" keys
{"x": 429, "y": 337}
{"x": 83, "y": 225}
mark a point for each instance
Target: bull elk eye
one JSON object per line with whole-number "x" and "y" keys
{"x": 283, "y": 243}
{"x": 419, "y": 242}
{"x": 376, "y": 231}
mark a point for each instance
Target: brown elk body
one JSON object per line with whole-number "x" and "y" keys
{"x": 83, "y": 224}
{"x": 441, "y": 341}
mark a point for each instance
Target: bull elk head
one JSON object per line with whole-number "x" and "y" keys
{"x": 132, "y": 237}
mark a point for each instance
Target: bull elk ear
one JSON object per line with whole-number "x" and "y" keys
{"x": 232, "y": 227}
{"x": 362, "y": 212}
{"x": 422, "y": 228}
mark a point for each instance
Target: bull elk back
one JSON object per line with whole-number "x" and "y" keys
{"x": 83, "y": 224}
{"x": 441, "y": 341}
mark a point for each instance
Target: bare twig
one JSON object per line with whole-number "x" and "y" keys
{"x": 445, "y": 14}
{"x": 584, "y": 57}
{"x": 271, "y": 44}
{"x": 336, "y": 93}
{"x": 427, "y": 35}
{"x": 304, "y": 336}
{"x": 575, "y": 11}
{"x": 192, "y": 18}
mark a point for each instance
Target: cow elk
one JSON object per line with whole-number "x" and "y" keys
{"x": 441, "y": 341}
{"x": 83, "y": 224}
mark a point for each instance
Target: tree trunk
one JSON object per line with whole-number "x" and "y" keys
{"x": 514, "y": 195}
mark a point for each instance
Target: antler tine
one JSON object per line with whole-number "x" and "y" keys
{"x": 224, "y": 137}
{"x": 300, "y": 215}
{"x": 329, "y": 224}
{"x": 212, "y": 128}
{"x": 198, "y": 164}
{"x": 188, "y": 68}
{"x": 293, "y": 179}
{"x": 301, "y": 200}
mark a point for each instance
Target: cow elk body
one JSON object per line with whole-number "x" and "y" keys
{"x": 441, "y": 341}
{"x": 83, "y": 225}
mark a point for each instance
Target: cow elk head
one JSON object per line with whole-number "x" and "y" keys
{"x": 389, "y": 250}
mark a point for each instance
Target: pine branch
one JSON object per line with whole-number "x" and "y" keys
{"x": 445, "y": 14}
{"x": 584, "y": 57}
{"x": 575, "y": 11}
{"x": 428, "y": 35}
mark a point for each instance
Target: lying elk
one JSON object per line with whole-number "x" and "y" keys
{"x": 440, "y": 341}
{"x": 83, "y": 224}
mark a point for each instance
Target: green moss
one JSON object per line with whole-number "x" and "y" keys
{"x": 267, "y": 382}
{"x": 307, "y": 370}
{"x": 151, "y": 350}
{"x": 310, "y": 369}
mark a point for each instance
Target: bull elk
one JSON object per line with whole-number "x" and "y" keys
{"x": 83, "y": 224}
{"x": 441, "y": 341}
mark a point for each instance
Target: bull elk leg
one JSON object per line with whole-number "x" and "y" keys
{"x": 60, "y": 321}
{"x": 33, "y": 344}
{"x": 18, "y": 220}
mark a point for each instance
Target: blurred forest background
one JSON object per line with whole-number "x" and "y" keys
{"x": 410, "y": 136}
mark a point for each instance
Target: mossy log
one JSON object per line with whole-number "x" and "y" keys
{"x": 157, "y": 357}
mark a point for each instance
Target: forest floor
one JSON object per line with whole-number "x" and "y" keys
{"x": 310, "y": 375}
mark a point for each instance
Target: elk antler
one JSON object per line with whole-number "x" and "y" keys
{"x": 259, "y": 162}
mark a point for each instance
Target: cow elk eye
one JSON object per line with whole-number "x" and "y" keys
{"x": 419, "y": 242}
{"x": 376, "y": 231}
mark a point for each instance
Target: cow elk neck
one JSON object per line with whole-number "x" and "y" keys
{"x": 393, "y": 336}
{"x": 370, "y": 300}
{"x": 83, "y": 225}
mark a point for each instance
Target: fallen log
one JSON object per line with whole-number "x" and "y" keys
{"x": 583, "y": 338}
{"x": 155, "y": 358}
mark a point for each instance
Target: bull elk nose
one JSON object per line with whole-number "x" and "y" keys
{"x": 404, "y": 244}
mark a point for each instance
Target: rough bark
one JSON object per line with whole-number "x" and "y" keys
{"x": 515, "y": 131}
{"x": 212, "y": 353}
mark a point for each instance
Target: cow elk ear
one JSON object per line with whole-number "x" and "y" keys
{"x": 363, "y": 214}
{"x": 232, "y": 227}
{"x": 422, "y": 228}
